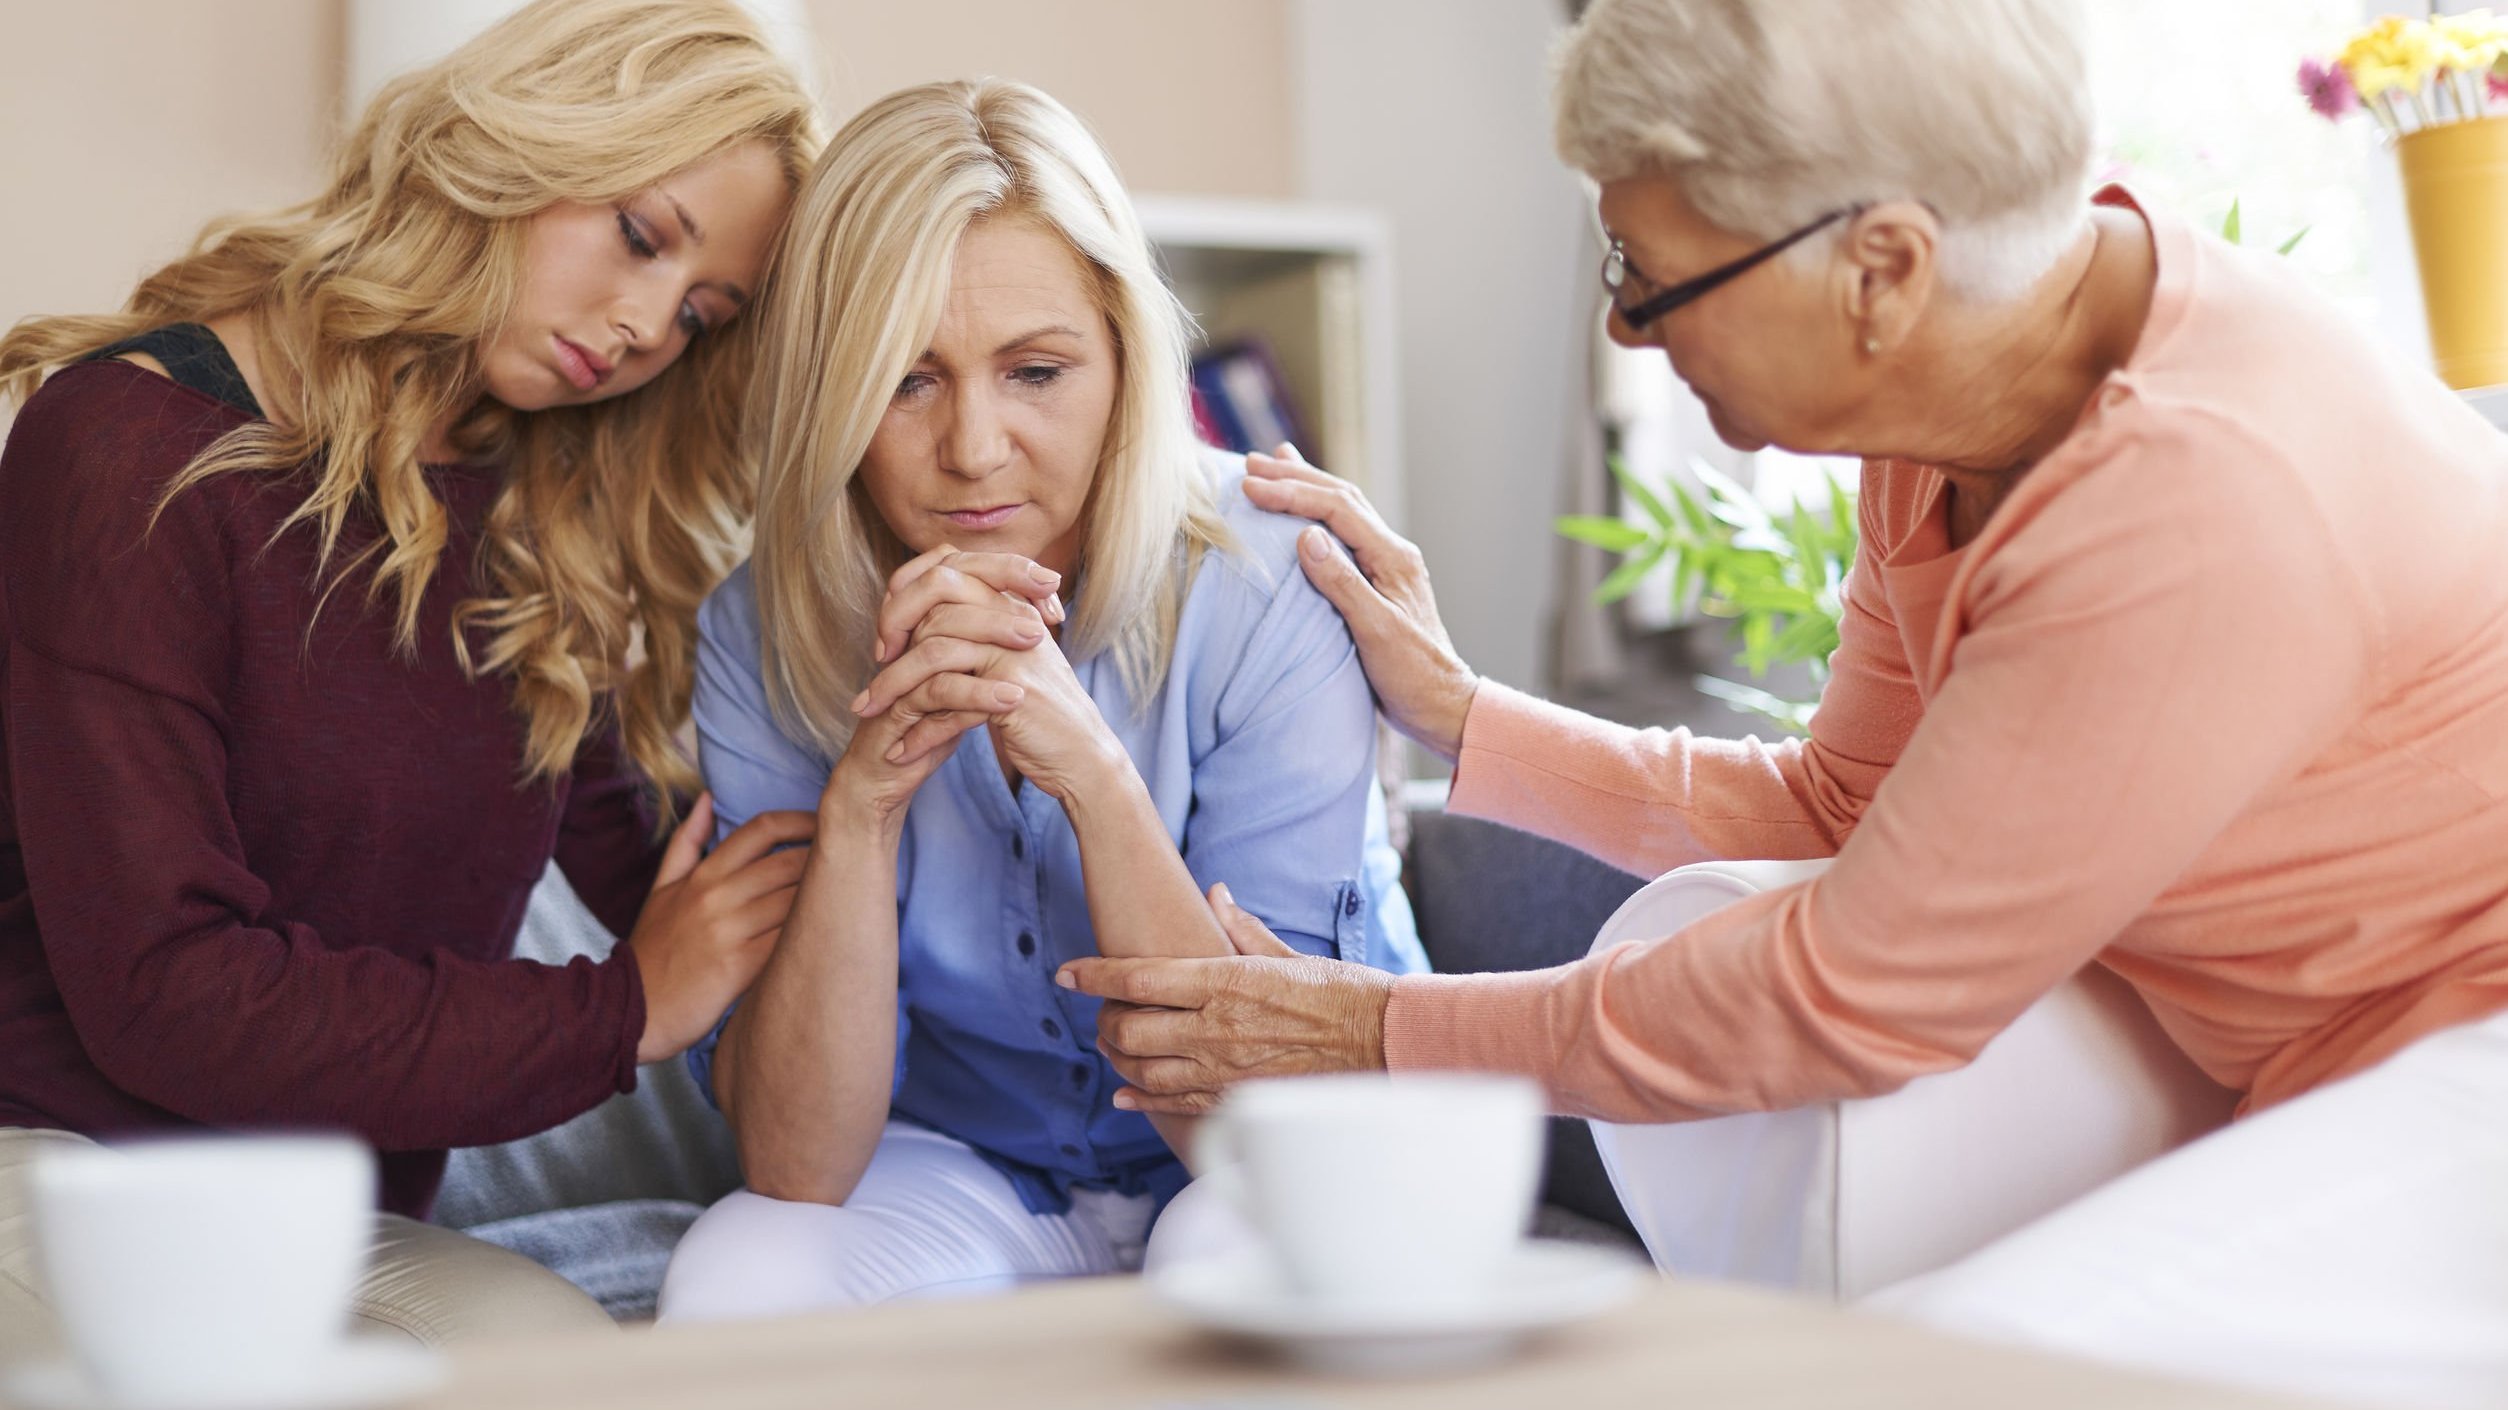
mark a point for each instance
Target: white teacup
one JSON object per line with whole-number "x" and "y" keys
{"x": 1376, "y": 1189}
{"x": 205, "y": 1270}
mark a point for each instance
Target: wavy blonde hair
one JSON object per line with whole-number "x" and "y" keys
{"x": 371, "y": 304}
{"x": 864, "y": 272}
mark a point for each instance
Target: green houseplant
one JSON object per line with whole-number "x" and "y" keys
{"x": 1776, "y": 574}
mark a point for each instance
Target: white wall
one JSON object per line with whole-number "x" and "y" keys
{"x": 1437, "y": 113}
{"x": 125, "y": 125}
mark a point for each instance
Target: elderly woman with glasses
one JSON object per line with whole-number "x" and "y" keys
{"x": 2177, "y": 642}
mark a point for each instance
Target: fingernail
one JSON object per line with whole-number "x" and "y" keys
{"x": 1030, "y": 636}
{"x": 1053, "y": 607}
{"x": 1287, "y": 452}
{"x": 1063, "y": 978}
{"x": 896, "y": 751}
{"x": 1221, "y": 894}
{"x": 1009, "y": 694}
{"x": 1044, "y": 576}
{"x": 879, "y": 651}
{"x": 859, "y": 701}
{"x": 1312, "y": 547}
{"x": 1127, "y": 1101}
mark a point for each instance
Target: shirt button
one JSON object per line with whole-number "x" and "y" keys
{"x": 1071, "y": 1150}
{"x": 1027, "y": 943}
{"x": 1019, "y": 848}
{"x": 1052, "y": 1029}
{"x": 1349, "y": 907}
{"x": 1079, "y": 1074}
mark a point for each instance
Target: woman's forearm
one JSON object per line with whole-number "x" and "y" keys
{"x": 806, "y": 1065}
{"x": 1142, "y": 899}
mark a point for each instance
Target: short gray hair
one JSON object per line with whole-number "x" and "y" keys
{"x": 1771, "y": 113}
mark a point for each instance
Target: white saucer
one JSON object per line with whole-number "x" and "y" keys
{"x": 1544, "y": 1284}
{"x": 362, "y": 1372}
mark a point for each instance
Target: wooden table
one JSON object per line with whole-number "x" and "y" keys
{"x": 1102, "y": 1344}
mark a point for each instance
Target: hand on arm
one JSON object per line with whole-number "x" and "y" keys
{"x": 1180, "y": 1031}
{"x": 712, "y": 920}
{"x": 1381, "y": 589}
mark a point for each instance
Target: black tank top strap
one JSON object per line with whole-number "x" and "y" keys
{"x": 193, "y": 357}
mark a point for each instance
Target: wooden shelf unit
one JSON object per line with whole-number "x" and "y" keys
{"x": 1315, "y": 283}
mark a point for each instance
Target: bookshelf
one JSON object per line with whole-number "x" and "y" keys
{"x": 1314, "y": 284}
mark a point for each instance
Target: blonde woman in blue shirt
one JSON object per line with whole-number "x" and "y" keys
{"x": 973, "y": 409}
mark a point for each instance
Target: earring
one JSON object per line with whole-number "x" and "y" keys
{"x": 1872, "y": 347}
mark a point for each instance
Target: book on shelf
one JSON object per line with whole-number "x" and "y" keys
{"x": 1241, "y": 402}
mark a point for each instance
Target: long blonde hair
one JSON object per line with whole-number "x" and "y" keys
{"x": 865, "y": 267}
{"x": 370, "y": 305}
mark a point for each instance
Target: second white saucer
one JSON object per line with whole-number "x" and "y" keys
{"x": 1543, "y": 1285}
{"x": 360, "y": 1374}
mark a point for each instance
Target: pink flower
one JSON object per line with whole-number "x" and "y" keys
{"x": 2327, "y": 88}
{"x": 2495, "y": 86}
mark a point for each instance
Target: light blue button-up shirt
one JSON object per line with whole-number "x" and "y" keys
{"x": 1259, "y": 752}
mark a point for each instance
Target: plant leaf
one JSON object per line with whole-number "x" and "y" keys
{"x": 1729, "y": 501}
{"x": 1842, "y": 523}
{"x": 1646, "y": 498}
{"x": 1602, "y": 531}
{"x": 1625, "y": 578}
{"x": 1793, "y": 714}
{"x": 1776, "y": 598}
{"x": 1811, "y": 562}
{"x": 2293, "y": 242}
{"x": 1701, "y": 523}
{"x": 2229, "y": 226}
{"x": 1809, "y": 637}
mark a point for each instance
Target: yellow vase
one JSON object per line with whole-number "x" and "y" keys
{"x": 2455, "y": 179}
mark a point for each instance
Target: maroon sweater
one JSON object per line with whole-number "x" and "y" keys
{"x": 252, "y": 877}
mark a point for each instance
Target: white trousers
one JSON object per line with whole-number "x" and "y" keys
{"x": 930, "y": 1220}
{"x": 2349, "y": 1244}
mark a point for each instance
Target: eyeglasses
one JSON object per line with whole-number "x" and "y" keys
{"x": 1615, "y": 274}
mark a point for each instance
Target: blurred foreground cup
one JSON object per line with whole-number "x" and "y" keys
{"x": 1375, "y": 1189}
{"x": 215, "y": 1270}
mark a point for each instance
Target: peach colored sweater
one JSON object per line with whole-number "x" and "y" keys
{"x": 2218, "y": 699}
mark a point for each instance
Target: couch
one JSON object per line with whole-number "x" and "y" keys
{"x": 1832, "y": 1200}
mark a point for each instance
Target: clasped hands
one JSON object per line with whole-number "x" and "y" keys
{"x": 966, "y": 639}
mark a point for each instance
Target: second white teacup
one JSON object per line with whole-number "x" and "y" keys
{"x": 204, "y": 1271}
{"x": 1376, "y": 1188}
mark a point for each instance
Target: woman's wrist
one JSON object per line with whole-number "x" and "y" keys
{"x": 1442, "y": 730}
{"x": 1104, "y": 784}
{"x": 851, "y": 812}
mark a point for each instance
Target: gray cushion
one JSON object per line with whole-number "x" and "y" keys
{"x": 600, "y": 1200}
{"x": 1491, "y": 898}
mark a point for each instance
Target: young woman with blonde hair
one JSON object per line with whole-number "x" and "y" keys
{"x": 349, "y": 574}
{"x": 974, "y": 395}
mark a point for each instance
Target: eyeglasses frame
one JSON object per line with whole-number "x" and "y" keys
{"x": 1615, "y": 268}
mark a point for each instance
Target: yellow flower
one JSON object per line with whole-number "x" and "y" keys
{"x": 2474, "y": 39}
{"x": 2395, "y": 52}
